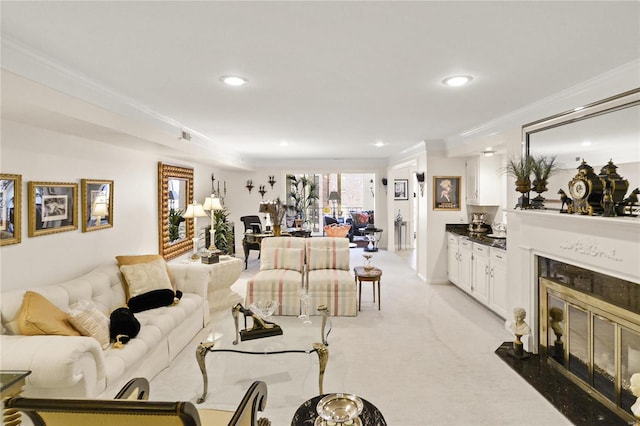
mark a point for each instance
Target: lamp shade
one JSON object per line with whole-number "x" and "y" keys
{"x": 212, "y": 203}
{"x": 194, "y": 210}
{"x": 334, "y": 196}
{"x": 100, "y": 206}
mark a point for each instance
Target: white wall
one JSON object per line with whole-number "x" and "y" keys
{"x": 46, "y": 156}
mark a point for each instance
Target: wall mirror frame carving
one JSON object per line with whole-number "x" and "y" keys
{"x": 167, "y": 176}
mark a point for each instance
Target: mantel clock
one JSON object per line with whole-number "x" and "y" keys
{"x": 586, "y": 189}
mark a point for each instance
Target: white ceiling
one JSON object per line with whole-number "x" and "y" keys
{"x": 329, "y": 78}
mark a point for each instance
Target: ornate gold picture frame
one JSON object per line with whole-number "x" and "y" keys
{"x": 53, "y": 207}
{"x": 10, "y": 209}
{"x": 446, "y": 192}
{"x": 97, "y": 206}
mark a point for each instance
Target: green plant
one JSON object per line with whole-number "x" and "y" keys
{"x": 520, "y": 168}
{"x": 544, "y": 166}
{"x": 222, "y": 228}
{"x": 175, "y": 218}
{"x": 303, "y": 194}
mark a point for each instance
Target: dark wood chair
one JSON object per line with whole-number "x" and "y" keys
{"x": 132, "y": 408}
{"x": 250, "y": 223}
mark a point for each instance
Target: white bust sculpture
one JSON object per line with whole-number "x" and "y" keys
{"x": 519, "y": 327}
{"x": 635, "y": 390}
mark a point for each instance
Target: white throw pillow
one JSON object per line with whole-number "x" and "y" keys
{"x": 85, "y": 317}
{"x": 144, "y": 277}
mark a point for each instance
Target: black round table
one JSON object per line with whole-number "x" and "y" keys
{"x": 306, "y": 414}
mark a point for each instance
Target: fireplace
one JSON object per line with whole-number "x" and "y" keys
{"x": 589, "y": 329}
{"x": 580, "y": 276}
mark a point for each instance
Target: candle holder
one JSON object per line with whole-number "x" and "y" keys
{"x": 249, "y": 185}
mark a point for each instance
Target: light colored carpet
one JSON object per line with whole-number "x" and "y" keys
{"x": 426, "y": 358}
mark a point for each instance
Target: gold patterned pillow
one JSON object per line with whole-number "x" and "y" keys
{"x": 38, "y": 316}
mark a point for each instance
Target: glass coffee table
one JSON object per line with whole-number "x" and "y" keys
{"x": 246, "y": 333}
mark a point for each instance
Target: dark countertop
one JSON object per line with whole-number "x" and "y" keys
{"x": 462, "y": 229}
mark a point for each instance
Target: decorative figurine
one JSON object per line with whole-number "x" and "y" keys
{"x": 519, "y": 328}
{"x": 556, "y": 316}
{"x": 630, "y": 201}
{"x": 635, "y": 390}
{"x": 259, "y": 329}
{"x": 566, "y": 201}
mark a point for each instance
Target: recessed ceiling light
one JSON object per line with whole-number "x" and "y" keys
{"x": 457, "y": 80}
{"x": 379, "y": 144}
{"x": 233, "y": 80}
{"x": 284, "y": 143}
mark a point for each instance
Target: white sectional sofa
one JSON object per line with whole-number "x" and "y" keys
{"x": 77, "y": 366}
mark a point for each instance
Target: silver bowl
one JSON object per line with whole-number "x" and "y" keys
{"x": 339, "y": 407}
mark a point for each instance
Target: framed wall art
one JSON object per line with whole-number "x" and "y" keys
{"x": 10, "y": 209}
{"x": 97, "y": 204}
{"x": 53, "y": 207}
{"x": 401, "y": 189}
{"x": 446, "y": 192}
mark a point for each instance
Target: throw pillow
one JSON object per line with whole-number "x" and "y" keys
{"x": 38, "y": 316}
{"x": 326, "y": 258}
{"x": 281, "y": 258}
{"x": 144, "y": 277}
{"x": 123, "y": 322}
{"x": 89, "y": 321}
{"x": 153, "y": 299}
{"x": 134, "y": 260}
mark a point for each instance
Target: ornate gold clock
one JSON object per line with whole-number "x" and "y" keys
{"x": 586, "y": 189}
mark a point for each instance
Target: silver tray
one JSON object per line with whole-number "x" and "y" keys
{"x": 339, "y": 407}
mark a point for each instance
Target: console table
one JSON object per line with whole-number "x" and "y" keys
{"x": 221, "y": 276}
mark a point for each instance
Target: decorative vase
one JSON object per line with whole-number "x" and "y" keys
{"x": 523, "y": 186}
{"x": 539, "y": 186}
{"x": 276, "y": 230}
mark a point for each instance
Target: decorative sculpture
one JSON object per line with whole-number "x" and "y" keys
{"x": 519, "y": 328}
{"x": 566, "y": 201}
{"x": 635, "y": 390}
{"x": 259, "y": 329}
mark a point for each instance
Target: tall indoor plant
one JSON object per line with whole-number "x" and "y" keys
{"x": 303, "y": 194}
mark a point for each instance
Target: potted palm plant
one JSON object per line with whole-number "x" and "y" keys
{"x": 542, "y": 167}
{"x": 303, "y": 194}
{"x": 521, "y": 168}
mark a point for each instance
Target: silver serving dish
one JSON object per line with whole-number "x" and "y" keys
{"x": 339, "y": 408}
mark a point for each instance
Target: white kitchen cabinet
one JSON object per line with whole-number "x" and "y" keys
{"x": 460, "y": 257}
{"x": 498, "y": 281}
{"x": 481, "y": 269}
{"x": 483, "y": 180}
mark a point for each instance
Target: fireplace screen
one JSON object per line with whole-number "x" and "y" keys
{"x": 594, "y": 342}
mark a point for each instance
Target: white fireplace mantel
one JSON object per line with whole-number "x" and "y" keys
{"x": 607, "y": 245}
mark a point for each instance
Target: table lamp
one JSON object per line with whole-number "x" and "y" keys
{"x": 211, "y": 204}
{"x": 194, "y": 210}
{"x": 100, "y": 207}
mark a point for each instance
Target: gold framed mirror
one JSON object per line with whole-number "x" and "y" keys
{"x": 175, "y": 190}
{"x": 10, "y": 209}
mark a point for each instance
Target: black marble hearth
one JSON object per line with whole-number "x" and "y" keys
{"x": 566, "y": 396}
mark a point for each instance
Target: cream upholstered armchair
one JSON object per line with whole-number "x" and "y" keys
{"x": 281, "y": 274}
{"x": 328, "y": 279}
{"x": 131, "y": 408}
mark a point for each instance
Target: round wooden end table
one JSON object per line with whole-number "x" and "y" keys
{"x": 373, "y": 275}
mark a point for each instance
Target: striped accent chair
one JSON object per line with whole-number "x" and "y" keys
{"x": 281, "y": 274}
{"x": 328, "y": 277}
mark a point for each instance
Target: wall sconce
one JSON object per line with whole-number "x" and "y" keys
{"x": 384, "y": 183}
{"x": 272, "y": 181}
{"x": 420, "y": 178}
{"x": 249, "y": 185}
{"x": 262, "y": 191}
